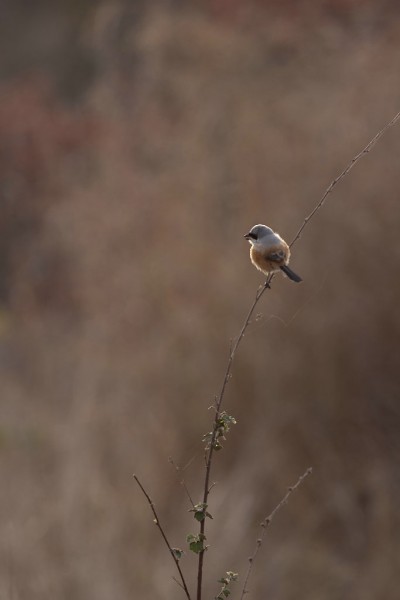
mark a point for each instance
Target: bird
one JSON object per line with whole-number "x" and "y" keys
{"x": 269, "y": 253}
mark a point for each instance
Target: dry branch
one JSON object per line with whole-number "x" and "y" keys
{"x": 157, "y": 522}
{"x": 267, "y": 522}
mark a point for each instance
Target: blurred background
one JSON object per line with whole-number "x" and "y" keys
{"x": 139, "y": 141}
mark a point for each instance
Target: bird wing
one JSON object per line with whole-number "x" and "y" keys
{"x": 276, "y": 256}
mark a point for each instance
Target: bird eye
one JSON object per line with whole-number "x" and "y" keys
{"x": 253, "y": 236}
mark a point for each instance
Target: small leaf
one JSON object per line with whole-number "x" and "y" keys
{"x": 199, "y": 516}
{"x": 200, "y": 512}
{"x": 196, "y": 547}
{"x": 225, "y": 591}
{"x": 196, "y": 543}
{"x": 178, "y": 553}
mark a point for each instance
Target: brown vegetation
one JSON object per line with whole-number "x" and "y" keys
{"x": 132, "y": 161}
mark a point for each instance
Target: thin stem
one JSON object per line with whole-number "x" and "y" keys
{"x": 267, "y": 522}
{"x": 157, "y": 522}
{"x": 218, "y": 405}
{"x": 343, "y": 174}
{"x": 181, "y": 481}
{"x": 260, "y": 292}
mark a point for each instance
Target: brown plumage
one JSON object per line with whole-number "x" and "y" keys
{"x": 270, "y": 259}
{"x": 269, "y": 252}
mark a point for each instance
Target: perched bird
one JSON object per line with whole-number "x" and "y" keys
{"x": 269, "y": 252}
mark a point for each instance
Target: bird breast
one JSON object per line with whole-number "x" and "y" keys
{"x": 271, "y": 258}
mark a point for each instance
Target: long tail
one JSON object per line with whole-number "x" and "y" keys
{"x": 291, "y": 274}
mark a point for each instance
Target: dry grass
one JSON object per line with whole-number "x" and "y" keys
{"x": 124, "y": 276}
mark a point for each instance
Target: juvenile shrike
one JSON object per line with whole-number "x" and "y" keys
{"x": 269, "y": 252}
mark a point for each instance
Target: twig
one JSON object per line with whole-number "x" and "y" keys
{"x": 157, "y": 522}
{"x": 178, "y": 582}
{"x": 181, "y": 481}
{"x": 343, "y": 174}
{"x": 218, "y": 404}
{"x": 265, "y": 524}
{"x": 235, "y": 345}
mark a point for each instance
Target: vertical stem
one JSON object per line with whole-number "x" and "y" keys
{"x": 218, "y": 405}
{"x": 260, "y": 292}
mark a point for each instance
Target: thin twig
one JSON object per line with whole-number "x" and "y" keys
{"x": 181, "y": 481}
{"x": 343, "y": 174}
{"x": 260, "y": 292}
{"x": 218, "y": 404}
{"x": 267, "y": 522}
{"x": 157, "y": 522}
{"x": 178, "y": 582}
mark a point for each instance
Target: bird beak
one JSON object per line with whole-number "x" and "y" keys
{"x": 247, "y": 236}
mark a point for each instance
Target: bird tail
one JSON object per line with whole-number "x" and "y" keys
{"x": 291, "y": 274}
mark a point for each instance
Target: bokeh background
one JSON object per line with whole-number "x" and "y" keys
{"x": 138, "y": 142}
